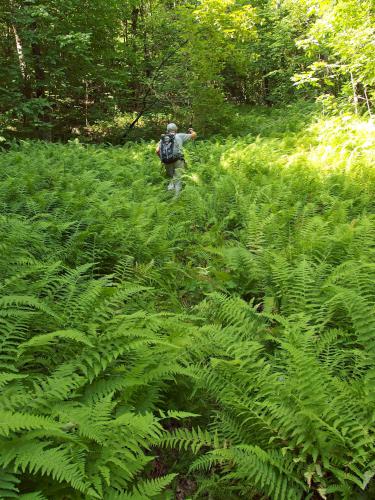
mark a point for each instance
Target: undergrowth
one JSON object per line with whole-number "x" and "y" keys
{"x": 224, "y": 340}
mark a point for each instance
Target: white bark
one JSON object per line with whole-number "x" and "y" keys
{"x": 21, "y": 57}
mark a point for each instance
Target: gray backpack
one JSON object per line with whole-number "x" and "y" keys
{"x": 167, "y": 153}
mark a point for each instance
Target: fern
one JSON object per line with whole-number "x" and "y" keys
{"x": 23, "y": 454}
{"x": 151, "y": 488}
{"x": 229, "y": 332}
{"x": 8, "y": 484}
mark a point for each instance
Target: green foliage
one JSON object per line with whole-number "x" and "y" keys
{"x": 68, "y": 71}
{"x": 341, "y": 42}
{"x": 225, "y": 337}
{"x": 84, "y": 356}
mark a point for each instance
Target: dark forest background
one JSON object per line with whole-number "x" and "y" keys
{"x": 88, "y": 68}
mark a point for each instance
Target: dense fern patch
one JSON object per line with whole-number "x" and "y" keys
{"x": 226, "y": 337}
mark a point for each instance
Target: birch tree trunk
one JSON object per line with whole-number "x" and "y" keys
{"x": 20, "y": 54}
{"x": 27, "y": 92}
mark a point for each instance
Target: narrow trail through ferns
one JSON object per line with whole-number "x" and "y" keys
{"x": 227, "y": 337}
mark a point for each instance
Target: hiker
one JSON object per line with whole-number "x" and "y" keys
{"x": 170, "y": 152}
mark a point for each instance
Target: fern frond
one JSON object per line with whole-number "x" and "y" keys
{"x": 152, "y": 487}
{"x": 270, "y": 472}
{"x": 5, "y": 378}
{"x": 177, "y": 415}
{"x": 8, "y": 484}
{"x": 184, "y": 439}
{"x": 27, "y": 302}
{"x": 48, "y": 338}
{"x": 14, "y": 422}
{"x": 22, "y": 454}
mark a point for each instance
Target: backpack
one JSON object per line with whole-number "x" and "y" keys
{"x": 167, "y": 153}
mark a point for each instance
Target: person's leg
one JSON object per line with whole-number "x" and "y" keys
{"x": 179, "y": 171}
{"x": 170, "y": 171}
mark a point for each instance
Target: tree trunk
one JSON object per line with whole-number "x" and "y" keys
{"x": 367, "y": 102}
{"x": 134, "y": 24}
{"x": 355, "y": 96}
{"x": 22, "y": 64}
{"x": 86, "y": 103}
{"x": 38, "y": 69}
{"x": 146, "y": 55}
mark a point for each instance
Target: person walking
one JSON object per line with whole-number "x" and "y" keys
{"x": 170, "y": 152}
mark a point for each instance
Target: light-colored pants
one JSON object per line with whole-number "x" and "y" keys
{"x": 175, "y": 171}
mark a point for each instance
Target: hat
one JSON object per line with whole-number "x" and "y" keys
{"x": 171, "y": 127}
